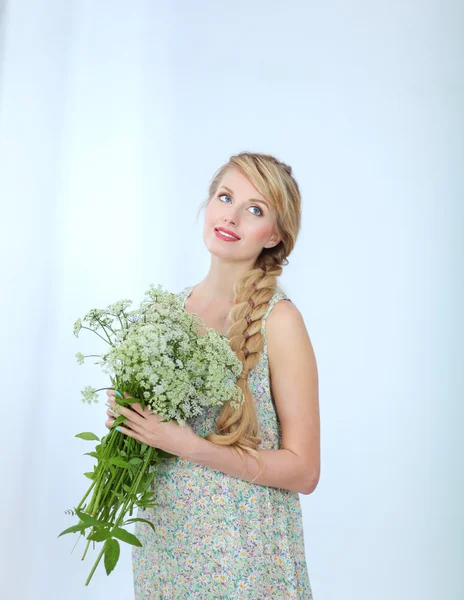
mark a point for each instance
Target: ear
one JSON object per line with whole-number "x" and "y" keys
{"x": 275, "y": 239}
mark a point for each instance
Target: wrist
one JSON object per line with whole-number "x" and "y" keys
{"x": 193, "y": 450}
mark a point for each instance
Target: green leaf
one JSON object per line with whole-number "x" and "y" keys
{"x": 87, "y": 435}
{"x": 112, "y": 551}
{"x": 146, "y": 500}
{"x": 142, "y": 520}
{"x": 118, "y": 421}
{"x": 119, "y": 462}
{"x": 143, "y": 448}
{"x": 93, "y": 454}
{"x": 164, "y": 454}
{"x": 125, "y": 536}
{"x": 87, "y": 518}
{"x": 135, "y": 461}
{"x": 132, "y": 400}
{"x": 90, "y": 474}
{"x": 73, "y": 529}
{"x": 100, "y": 535}
{"x": 145, "y": 482}
{"x": 83, "y": 516}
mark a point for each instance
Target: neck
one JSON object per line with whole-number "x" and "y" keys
{"x": 221, "y": 278}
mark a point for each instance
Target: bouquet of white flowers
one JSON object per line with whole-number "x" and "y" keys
{"x": 158, "y": 357}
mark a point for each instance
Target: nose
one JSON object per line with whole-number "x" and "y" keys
{"x": 230, "y": 217}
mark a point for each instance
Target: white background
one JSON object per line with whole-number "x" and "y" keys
{"x": 113, "y": 118}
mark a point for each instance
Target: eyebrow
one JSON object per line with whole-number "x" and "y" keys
{"x": 251, "y": 199}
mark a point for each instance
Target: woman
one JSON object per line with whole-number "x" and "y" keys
{"x": 228, "y": 519}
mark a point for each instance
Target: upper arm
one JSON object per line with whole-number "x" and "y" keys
{"x": 294, "y": 385}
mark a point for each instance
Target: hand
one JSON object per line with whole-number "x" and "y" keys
{"x": 148, "y": 428}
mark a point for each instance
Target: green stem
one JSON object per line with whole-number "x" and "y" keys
{"x": 104, "y": 329}
{"x": 95, "y": 566}
{"x": 86, "y": 548}
{"x": 125, "y": 318}
{"x": 96, "y": 508}
{"x": 86, "y": 494}
{"x": 104, "y": 488}
{"x": 110, "y": 488}
{"x": 127, "y": 503}
{"x": 123, "y": 476}
{"x": 93, "y": 508}
{"x": 74, "y": 547}
{"x": 97, "y": 334}
{"x": 99, "y": 480}
{"x": 100, "y": 474}
{"x": 148, "y": 455}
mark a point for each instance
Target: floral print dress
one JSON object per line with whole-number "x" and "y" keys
{"x": 218, "y": 536}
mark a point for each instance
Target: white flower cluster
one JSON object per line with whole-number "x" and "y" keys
{"x": 156, "y": 354}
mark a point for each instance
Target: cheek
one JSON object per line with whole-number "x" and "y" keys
{"x": 262, "y": 232}
{"x": 211, "y": 214}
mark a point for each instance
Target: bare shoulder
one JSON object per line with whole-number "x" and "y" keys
{"x": 285, "y": 326}
{"x": 295, "y": 386}
{"x": 283, "y": 311}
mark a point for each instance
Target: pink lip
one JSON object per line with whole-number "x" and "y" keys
{"x": 219, "y": 229}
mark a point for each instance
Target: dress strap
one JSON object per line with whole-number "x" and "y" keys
{"x": 184, "y": 294}
{"x": 279, "y": 294}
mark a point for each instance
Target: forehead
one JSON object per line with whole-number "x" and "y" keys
{"x": 239, "y": 183}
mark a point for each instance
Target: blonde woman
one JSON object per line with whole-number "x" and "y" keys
{"x": 228, "y": 519}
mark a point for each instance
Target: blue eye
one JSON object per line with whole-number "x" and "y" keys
{"x": 260, "y": 211}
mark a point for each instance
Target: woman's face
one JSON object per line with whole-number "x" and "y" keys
{"x": 238, "y": 207}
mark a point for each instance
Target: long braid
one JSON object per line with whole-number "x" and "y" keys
{"x": 238, "y": 427}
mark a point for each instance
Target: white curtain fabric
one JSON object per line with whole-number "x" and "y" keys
{"x": 113, "y": 118}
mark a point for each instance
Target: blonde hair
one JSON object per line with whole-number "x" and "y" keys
{"x": 238, "y": 427}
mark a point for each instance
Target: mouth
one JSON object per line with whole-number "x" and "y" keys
{"x": 226, "y": 234}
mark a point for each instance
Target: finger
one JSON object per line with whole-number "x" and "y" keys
{"x": 131, "y": 433}
{"x": 136, "y": 405}
{"x": 109, "y": 423}
{"x": 134, "y": 427}
{"x": 138, "y": 408}
{"x": 114, "y": 406}
{"x": 110, "y": 392}
{"x": 131, "y": 415}
{"x": 132, "y": 419}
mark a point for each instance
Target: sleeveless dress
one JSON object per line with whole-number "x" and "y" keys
{"x": 218, "y": 536}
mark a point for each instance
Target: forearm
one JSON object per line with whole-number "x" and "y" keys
{"x": 281, "y": 468}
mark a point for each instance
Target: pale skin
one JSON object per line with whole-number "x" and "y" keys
{"x": 292, "y": 362}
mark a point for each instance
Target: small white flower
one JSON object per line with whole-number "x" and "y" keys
{"x": 77, "y": 327}
{"x": 156, "y": 352}
{"x": 80, "y": 358}
{"x": 89, "y": 395}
